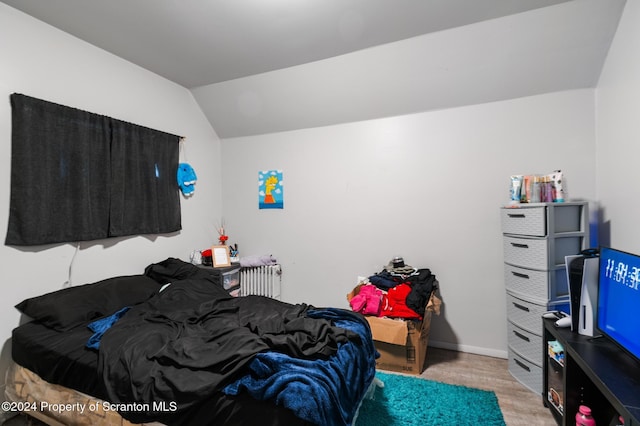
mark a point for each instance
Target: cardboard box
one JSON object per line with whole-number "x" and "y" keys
{"x": 402, "y": 344}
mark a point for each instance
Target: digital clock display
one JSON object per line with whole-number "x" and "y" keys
{"x": 619, "y": 298}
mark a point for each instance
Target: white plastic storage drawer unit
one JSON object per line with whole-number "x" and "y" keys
{"x": 540, "y": 253}
{"x": 531, "y": 221}
{"x": 536, "y": 238}
{"x": 534, "y": 285}
{"x": 527, "y": 344}
{"x": 527, "y": 373}
{"x": 525, "y": 314}
{"x": 526, "y": 252}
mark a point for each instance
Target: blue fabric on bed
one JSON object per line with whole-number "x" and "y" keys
{"x": 324, "y": 392}
{"x": 99, "y": 327}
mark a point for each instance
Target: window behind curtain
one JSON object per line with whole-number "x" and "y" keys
{"x": 78, "y": 176}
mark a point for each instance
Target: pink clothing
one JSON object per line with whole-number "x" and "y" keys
{"x": 368, "y": 301}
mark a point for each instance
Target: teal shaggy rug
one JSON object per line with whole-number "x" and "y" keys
{"x": 412, "y": 401}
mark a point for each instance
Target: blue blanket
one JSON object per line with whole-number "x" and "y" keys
{"x": 323, "y": 392}
{"x": 99, "y": 327}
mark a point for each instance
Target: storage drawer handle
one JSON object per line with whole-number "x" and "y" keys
{"x": 521, "y": 307}
{"x": 515, "y": 214}
{"x": 520, "y": 245}
{"x": 523, "y": 365}
{"x": 522, "y": 336}
{"x": 521, "y": 275}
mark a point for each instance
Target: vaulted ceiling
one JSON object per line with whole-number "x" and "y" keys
{"x": 261, "y": 66}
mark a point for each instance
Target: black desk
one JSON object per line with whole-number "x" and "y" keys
{"x": 596, "y": 373}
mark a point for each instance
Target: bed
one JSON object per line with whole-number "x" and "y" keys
{"x": 172, "y": 347}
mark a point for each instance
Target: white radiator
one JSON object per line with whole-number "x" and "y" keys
{"x": 261, "y": 280}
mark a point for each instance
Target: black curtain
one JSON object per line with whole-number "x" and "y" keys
{"x": 78, "y": 176}
{"x": 144, "y": 164}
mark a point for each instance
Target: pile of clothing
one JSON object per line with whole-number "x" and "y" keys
{"x": 398, "y": 291}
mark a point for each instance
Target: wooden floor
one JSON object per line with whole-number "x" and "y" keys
{"x": 519, "y": 405}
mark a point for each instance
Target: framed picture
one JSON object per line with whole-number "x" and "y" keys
{"x": 220, "y": 256}
{"x": 270, "y": 189}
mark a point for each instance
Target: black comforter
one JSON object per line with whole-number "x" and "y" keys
{"x": 188, "y": 342}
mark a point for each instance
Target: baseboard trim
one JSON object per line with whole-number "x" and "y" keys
{"x": 469, "y": 349}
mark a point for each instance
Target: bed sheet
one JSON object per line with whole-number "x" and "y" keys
{"x": 55, "y": 367}
{"x": 58, "y": 357}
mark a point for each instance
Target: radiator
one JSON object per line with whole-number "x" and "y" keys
{"x": 261, "y": 280}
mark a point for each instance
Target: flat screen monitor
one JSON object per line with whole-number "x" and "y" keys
{"x": 618, "y": 312}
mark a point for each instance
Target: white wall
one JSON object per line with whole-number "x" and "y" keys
{"x": 618, "y": 134}
{"x": 427, "y": 187}
{"x": 40, "y": 61}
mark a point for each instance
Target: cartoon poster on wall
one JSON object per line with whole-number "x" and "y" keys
{"x": 270, "y": 194}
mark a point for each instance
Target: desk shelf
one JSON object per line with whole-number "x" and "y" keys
{"x": 597, "y": 374}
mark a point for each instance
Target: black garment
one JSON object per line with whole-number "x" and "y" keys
{"x": 421, "y": 287}
{"x": 384, "y": 280}
{"x": 173, "y": 269}
{"x": 189, "y": 341}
